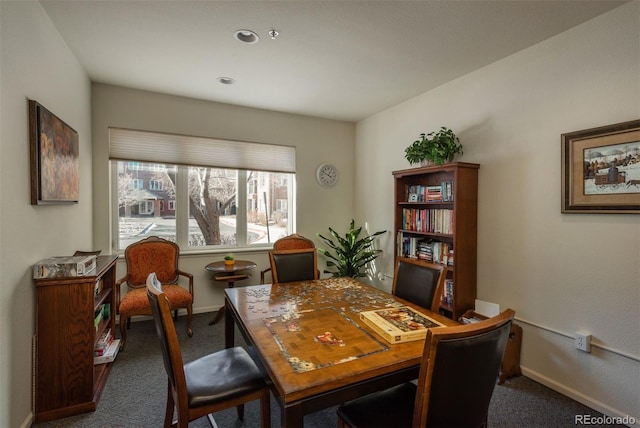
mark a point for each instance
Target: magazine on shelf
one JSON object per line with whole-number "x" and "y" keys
{"x": 109, "y": 354}
{"x": 397, "y": 325}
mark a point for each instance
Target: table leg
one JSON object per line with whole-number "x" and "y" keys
{"x": 221, "y": 311}
{"x": 292, "y": 417}
{"x": 218, "y": 316}
{"x": 229, "y": 327}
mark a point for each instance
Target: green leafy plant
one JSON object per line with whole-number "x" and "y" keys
{"x": 229, "y": 256}
{"x": 350, "y": 254}
{"x": 439, "y": 147}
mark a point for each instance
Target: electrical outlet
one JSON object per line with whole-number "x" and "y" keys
{"x": 583, "y": 341}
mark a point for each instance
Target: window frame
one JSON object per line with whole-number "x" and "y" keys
{"x": 181, "y": 209}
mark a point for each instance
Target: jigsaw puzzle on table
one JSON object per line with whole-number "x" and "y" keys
{"x": 319, "y": 338}
{"x": 314, "y": 325}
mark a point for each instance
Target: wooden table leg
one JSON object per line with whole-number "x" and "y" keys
{"x": 229, "y": 328}
{"x": 218, "y": 316}
{"x": 292, "y": 417}
{"x": 220, "y": 312}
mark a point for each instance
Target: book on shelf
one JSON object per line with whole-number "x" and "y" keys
{"x": 103, "y": 342}
{"x": 447, "y": 294}
{"x": 428, "y": 220}
{"x": 442, "y": 192}
{"x": 397, "y": 325}
{"x": 109, "y": 355}
{"x": 102, "y": 313}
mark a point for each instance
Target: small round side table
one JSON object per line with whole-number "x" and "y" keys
{"x": 229, "y": 274}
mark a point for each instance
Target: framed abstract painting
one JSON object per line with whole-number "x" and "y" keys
{"x": 55, "y": 164}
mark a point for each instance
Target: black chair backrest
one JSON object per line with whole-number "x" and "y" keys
{"x": 166, "y": 331}
{"x": 460, "y": 370}
{"x": 294, "y": 265}
{"x": 417, "y": 281}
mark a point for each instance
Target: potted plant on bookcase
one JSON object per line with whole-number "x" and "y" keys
{"x": 436, "y": 147}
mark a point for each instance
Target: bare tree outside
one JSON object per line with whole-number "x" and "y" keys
{"x": 212, "y": 193}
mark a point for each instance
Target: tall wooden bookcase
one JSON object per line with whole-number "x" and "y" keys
{"x": 448, "y": 226}
{"x": 66, "y": 382}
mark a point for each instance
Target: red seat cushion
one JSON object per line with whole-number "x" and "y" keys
{"x": 136, "y": 301}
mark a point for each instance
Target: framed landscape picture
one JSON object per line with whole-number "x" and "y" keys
{"x": 55, "y": 168}
{"x": 601, "y": 169}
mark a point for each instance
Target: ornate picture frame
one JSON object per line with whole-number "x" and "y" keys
{"x": 601, "y": 169}
{"x": 54, "y": 158}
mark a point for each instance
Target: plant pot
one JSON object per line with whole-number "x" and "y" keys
{"x": 229, "y": 262}
{"x": 427, "y": 162}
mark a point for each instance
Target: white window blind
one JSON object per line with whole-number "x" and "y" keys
{"x": 145, "y": 146}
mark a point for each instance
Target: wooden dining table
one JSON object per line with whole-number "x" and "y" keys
{"x": 314, "y": 348}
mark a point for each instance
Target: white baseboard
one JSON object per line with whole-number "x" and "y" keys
{"x": 28, "y": 421}
{"x": 581, "y": 398}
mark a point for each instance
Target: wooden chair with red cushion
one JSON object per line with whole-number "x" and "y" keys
{"x": 290, "y": 242}
{"x": 149, "y": 255}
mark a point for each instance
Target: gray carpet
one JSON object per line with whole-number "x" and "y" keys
{"x": 135, "y": 394}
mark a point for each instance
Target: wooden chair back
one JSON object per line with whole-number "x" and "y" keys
{"x": 159, "y": 256}
{"x": 290, "y": 242}
{"x": 169, "y": 343}
{"x": 294, "y": 265}
{"x": 462, "y": 361}
{"x": 153, "y": 254}
{"x": 419, "y": 282}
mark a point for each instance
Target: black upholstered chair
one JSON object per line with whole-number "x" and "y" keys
{"x": 289, "y": 242}
{"x": 211, "y": 383}
{"x": 458, "y": 373}
{"x": 419, "y": 282}
{"x": 294, "y": 265}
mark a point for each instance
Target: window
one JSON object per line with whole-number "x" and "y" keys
{"x": 145, "y": 207}
{"x": 136, "y": 184}
{"x": 200, "y": 206}
{"x": 156, "y": 185}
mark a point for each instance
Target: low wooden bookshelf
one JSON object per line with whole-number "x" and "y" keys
{"x": 66, "y": 381}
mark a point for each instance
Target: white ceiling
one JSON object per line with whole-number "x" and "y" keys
{"x": 340, "y": 60}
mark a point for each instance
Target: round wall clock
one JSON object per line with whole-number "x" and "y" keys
{"x": 327, "y": 175}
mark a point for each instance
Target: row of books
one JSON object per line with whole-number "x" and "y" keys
{"x": 428, "y": 220}
{"x": 98, "y": 286}
{"x": 106, "y": 348}
{"x": 102, "y": 344}
{"x": 425, "y": 249}
{"x": 103, "y": 312}
{"x": 431, "y": 193}
{"x": 447, "y": 293}
{"x": 109, "y": 354}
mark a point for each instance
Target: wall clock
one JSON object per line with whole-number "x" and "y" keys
{"x": 327, "y": 175}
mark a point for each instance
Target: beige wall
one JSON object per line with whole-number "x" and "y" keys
{"x": 560, "y": 272}
{"x": 35, "y": 64}
{"x": 316, "y": 141}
